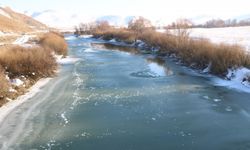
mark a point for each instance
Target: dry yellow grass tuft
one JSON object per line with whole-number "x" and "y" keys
{"x": 4, "y": 85}
{"x": 198, "y": 53}
{"x": 33, "y": 62}
{"x": 55, "y": 42}
{"x": 119, "y": 34}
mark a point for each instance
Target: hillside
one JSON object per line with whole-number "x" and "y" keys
{"x": 11, "y": 21}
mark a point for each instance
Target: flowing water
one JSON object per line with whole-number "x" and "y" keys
{"x": 114, "y": 100}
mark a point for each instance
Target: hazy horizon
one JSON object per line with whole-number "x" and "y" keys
{"x": 150, "y": 9}
{"x": 163, "y": 10}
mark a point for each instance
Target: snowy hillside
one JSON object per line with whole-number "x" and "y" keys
{"x": 61, "y": 20}
{"x": 12, "y": 21}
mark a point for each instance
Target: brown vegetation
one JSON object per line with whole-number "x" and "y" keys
{"x": 33, "y": 62}
{"x": 55, "y": 42}
{"x": 197, "y": 53}
{"x": 119, "y": 34}
{"x": 4, "y": 85}
{"x": 18, "y": 22}
{"x": 29, "y": 63}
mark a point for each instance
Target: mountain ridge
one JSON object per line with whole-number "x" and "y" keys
{"x": 11, "y": 21}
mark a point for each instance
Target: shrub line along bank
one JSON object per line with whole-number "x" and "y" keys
{"x": 196, "y": 53}
{"x": 28, "y": 64}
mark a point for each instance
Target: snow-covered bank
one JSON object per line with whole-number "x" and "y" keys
{"x": 237, "y": 79}
{"x": 230, "y": 35}
{"x": 7, "y": 108}
{"x": 65, "y": 61}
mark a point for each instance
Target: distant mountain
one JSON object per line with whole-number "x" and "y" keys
{"x": 60, "y": 20}
{"x": 116, "y": 20}
{"x": 11, "y": 21}
{"x": 243, "y": 17}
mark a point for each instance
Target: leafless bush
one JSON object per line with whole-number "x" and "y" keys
{"x": 34, "y": 62}
{"x": 55, "y": 42}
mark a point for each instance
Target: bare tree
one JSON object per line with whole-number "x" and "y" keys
{"x": 139, "y": 25}
{"x": 181, "y": 28}
{"x": 103, "y": 25}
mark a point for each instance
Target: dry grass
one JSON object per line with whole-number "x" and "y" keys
{"x": 4, "y": 85}
{"x": 8, "y": 39}
{"x": 118, "y": 34}
{"x": 18, "y": 22}
{"x": 55, "y": 42}
{"x": 198, "y": 53}
{"x": 34, "y": 62}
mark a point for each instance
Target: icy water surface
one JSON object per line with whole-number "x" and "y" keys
{"x": 113, "y": 100}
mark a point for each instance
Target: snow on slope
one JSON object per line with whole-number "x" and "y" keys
{"x": 4, "y": 13}
{"x": 60, "y": 20}
{"x": 231, "y": 35}
{"x": 237, "y": 80}
{"x": 22, "y": 40}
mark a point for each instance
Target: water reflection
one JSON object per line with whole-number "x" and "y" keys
{"x": 159, "y": 67}
{"x": 110, "y": 46}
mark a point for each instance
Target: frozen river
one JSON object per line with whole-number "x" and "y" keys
{"x": 113, "y": 100}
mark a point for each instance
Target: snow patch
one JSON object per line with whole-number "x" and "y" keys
{"x": 230, "y": 35}
{"x": 16, "y": 82}
{"x": 237, "y": 79}
{"x": 113, "y": 41}
{"x": 207, "y": 70}
{"x": 89, "y": 50}
{"x": 86, "y": 36}
{"x": 7, "y": 108}
{"x": 5, "y": 14}
{"x": 22, "y": 40}
{"x": 65, "y": 61}
{"x": 69, "y": 38}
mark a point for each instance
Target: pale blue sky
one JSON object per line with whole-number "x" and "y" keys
{"x": 147, "y": 8}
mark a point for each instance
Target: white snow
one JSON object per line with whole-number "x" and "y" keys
{"x": 236, "y": 80}
{"x": 16, "y": 82}
{"x": 68, "y": 60}
{"x": 2, "y": 12}
{"x": 86, "y": 36}
{"x": 6, "y": 109}
{"x": 230, "y": 35}
{"x": 61, "y": 20}
{"x": 65, "y": 61}
{"x": 69, "y": 38}
{"x": 113, "y": 40}
{"x": 12, "y": 90}
{"x": 89, "y": 50}
{"x": 22, "y": 40}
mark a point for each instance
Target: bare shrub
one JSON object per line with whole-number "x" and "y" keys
{"x": 33, "y": 62}
{"x": 198, "y": 53}
{"x": 4, "y": 85}
{"x": 139, "y": 26}
{"x": 55, "y": 42}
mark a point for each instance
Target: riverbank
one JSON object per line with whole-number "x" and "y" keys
{"x": 8, "y": 107}
{"x": 28, "y": 60}
{"x": 235, "y": 78}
